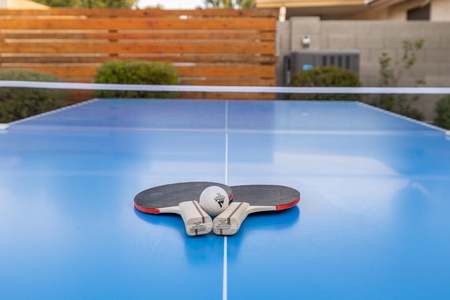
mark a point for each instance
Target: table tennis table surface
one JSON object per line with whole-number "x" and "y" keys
{"x": 373, "y": 221}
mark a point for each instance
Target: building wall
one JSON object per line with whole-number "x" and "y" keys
{"x": 399, "y": 12}
{"x": 4, "y": 4}
{"x": 372, "y": 38}
{"x": 21, "y": 4}
{"x": 440, "y": 10}
{"x": 392, "y": 12}
{"x": 356, "y": 10}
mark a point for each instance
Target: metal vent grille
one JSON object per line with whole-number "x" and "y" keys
{"x": 298, "y": 61}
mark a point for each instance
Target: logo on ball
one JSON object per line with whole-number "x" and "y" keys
{"x": 220, "y": 199}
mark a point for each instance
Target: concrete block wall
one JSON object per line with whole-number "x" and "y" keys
{"x": 372, "y": 38}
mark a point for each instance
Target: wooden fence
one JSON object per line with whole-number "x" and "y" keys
{"x": 208, "y": 47}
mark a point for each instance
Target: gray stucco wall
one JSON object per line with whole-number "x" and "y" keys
{"x": 371, "y": 39}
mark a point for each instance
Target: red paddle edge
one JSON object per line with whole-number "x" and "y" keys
{"x": 147, "y": 210}
{"x": 288, "y": 205}
{"x": 157, "y": 211}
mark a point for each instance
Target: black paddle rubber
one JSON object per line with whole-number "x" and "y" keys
{"x": 153, "y": 199}
{"x": 282, "y": 197}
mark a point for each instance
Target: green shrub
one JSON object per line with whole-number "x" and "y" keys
{"x": 18, "y": 103}
{"x": 136, "y": 72}
{"x": 325, "y": 77}
{"x": 442, "y": 110}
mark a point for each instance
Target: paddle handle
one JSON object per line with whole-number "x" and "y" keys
{"x": 196, "y": 220}
{"x": 230, "y": 220}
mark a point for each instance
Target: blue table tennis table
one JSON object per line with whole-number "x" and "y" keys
{"x": 373, "y": 221}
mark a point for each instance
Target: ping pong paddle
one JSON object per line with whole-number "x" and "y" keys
{"x": 180, "y": 198}
{"x": 249, "y": 199}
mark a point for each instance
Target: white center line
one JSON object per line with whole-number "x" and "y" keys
{"x": 225, "y": 241}
{"x": 226, "y": 142}
{"x": 225, "y": 269}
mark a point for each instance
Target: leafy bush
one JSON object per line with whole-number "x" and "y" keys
{"x": 325, "y": 77}
{"x": 18, "y": 103}
{"x": 88, "y": 4}
{"x": 442, "y": 110}
{"x": 136, "y": 72}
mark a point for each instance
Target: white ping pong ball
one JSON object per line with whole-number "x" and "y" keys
{"x": 214, "y": 200}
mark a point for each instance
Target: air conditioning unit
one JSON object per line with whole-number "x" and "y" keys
{"x": 297, "y": 61}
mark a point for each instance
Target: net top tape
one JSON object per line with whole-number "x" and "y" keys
{"x": 227, "y": 89}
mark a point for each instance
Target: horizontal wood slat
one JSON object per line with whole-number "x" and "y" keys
{"x": 140, "y": 24}
{"x": 23, "y": 59}
{"x": 139, "y": 48}
{"x": 228, "y": 96}
{"x": 207, "y": 81}
{"x": 230, "y": 82}
{"x": 143, "y": 13}
{"x": 143, "y": 35}
{"x": 79, "y": 96}
{"x": 241, "y": 71}
{"x": 208, "y": 47}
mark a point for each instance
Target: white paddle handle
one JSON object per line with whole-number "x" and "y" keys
{"x": 196, "y": 220}
{"x": 230, "y": 220}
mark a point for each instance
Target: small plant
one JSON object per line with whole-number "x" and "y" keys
{"x": 391, "y": 73}
{"x": 18, "y": 103}
{"x": 237, "y": 4}
{"x": 325, "y": 77}
{"x": 136, "y": 72}
{"x": 442, "y": 110}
